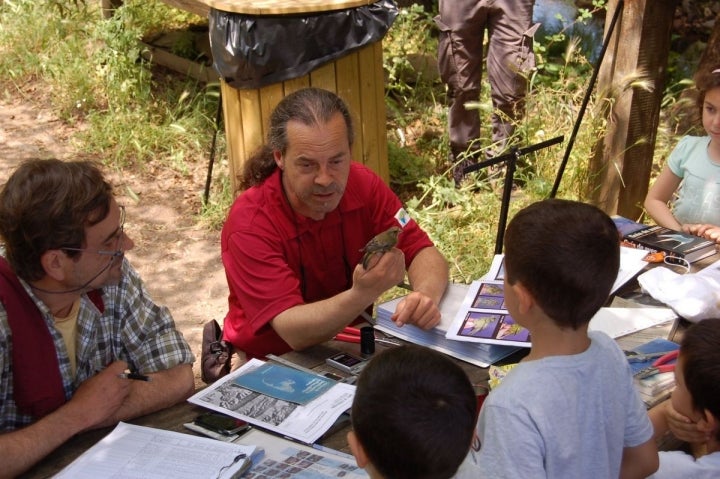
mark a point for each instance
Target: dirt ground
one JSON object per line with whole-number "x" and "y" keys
{"x": 178, "y": 259}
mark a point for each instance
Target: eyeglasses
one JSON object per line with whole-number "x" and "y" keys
{"x": 117, "y": 252}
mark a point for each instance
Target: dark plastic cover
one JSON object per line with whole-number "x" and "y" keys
{"x": 251, "y": 51}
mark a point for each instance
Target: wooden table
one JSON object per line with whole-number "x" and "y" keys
{"x": 314, "y": 358}
{"x": 172, "y": 419}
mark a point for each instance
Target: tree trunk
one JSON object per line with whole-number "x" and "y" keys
{"x": 638, "y": 53}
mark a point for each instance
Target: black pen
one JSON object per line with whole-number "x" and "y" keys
{"x": 136, "y": 376}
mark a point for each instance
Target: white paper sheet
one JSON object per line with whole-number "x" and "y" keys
{"x": 617, "y": 322}
{"x": 131, "y": 451}
{"x": 631, "y": 263}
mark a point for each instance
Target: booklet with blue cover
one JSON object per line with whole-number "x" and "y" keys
{"x": 654, "y": 347}
{"x": 285, "y": 383}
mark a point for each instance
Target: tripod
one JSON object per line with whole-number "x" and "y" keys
{"x": 511, "y": 159}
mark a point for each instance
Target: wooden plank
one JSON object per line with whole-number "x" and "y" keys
{"x": 368, "y": 109}
{"x": 233, "y": 130}
{"x": 283, "y": 7}
{"x": 347, "y": 73}
{"x": 270, "y": 96}
{"x": 324, "y": 77}
{"x": 383, "y": 168}
{"x": 251, "y": 117}
{"x": 296, "y": 84}
{"x": 179, "y": 64}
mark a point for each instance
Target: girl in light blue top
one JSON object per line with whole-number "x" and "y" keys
{"x": 691, "y": 178}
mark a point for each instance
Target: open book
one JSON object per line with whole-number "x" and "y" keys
{"x": 482, "y": 355}
{"x": 483, "y": 318}
{"x": 303, "y": 422}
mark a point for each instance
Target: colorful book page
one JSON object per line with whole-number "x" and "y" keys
{"x": 285, "y": 383}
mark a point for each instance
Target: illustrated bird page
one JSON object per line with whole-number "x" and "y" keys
{"x": 285, "y": 383}
{"x": 483, "y": 317}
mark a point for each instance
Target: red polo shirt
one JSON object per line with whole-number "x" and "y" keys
{"x": 275, "y": 259}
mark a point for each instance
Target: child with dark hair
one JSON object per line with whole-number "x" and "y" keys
{"x": 569, "y": 409}
{"x": 696, "y": 401}
{"x": 413, "y": 415}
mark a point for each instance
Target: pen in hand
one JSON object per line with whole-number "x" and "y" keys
{"x": 136, "y": 376}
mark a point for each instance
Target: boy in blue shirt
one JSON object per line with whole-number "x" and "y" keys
{"x": 569, "y": 409}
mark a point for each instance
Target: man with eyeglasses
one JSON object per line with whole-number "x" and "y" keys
{"x": 75, "y": 317}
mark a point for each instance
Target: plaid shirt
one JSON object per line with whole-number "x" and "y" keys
{"x": 132, "y": 328}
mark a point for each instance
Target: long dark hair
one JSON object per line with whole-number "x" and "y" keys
{"x": 310, "y": 106}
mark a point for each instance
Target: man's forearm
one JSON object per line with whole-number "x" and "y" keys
{"x": 428, "y": 273}
{"x": 164, "y": 389}
{"x": 313, "y": 323}
{"x": 23, "y": 448}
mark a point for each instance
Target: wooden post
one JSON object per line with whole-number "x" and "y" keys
{"x": 630, "y": 86}
{"x": 711, "y": 56}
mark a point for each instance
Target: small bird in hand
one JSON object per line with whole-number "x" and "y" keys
{"x": 380, "y": 244}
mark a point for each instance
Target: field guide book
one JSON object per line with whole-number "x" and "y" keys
{"x": 483, "y": 318}
{"x": 658, "y": 238}
{"x": 295, "y": 404}
{"x": 482, "y": 355}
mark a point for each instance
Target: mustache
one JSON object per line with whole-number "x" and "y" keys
{"x": 334, "y": 188}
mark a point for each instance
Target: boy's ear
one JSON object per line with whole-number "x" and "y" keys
{"x": 708, "y": 423}
{"x": 525, "y": 299}
{"x": 357, "y": 450}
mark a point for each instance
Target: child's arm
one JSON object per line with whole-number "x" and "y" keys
{"x": 658, "y": 418}
{"x": 658, "y": 197}
{"x": 639, "y": 461}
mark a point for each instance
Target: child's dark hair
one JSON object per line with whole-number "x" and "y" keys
{"x": 700, "y": 360}
{"x": 414, "y": 413}
{"x": 706, "y": 80}
{"x": 567, "y": 255}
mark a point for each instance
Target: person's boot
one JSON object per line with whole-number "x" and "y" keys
{"x": 461, "y": 161}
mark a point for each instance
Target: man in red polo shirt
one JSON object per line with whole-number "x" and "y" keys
{"x": 291, "y": 245}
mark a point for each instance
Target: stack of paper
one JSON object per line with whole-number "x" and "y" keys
{"x": 478, "y": 354}
{"x": 655, "y": 388}
{"x": 137, "y": 451}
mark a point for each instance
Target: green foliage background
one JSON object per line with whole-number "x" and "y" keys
{"x": 92, "y": 70}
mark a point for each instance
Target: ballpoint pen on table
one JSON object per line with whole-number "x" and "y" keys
{"x": 135, "y": 376}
